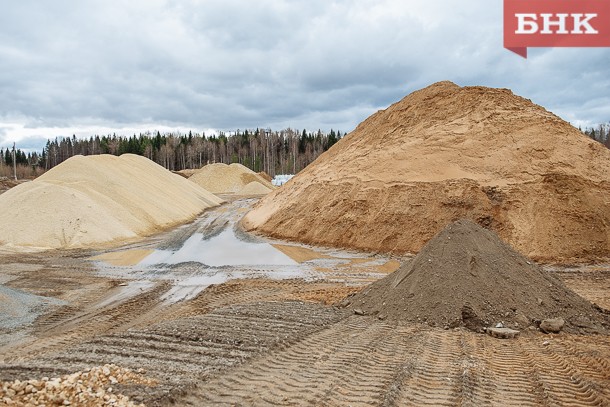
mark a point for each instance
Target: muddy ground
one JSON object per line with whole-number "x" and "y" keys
{"x": 219, "y": 317}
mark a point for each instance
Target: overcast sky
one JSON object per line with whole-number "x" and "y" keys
{"x": 85, "y": 67}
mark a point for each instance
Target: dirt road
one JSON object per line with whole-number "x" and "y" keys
{"x": 237, "y": 328}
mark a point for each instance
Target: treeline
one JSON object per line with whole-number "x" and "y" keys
{"x": 21, "y": 158}
{"x": 601, "y": 134}
{"x": 28, "y": 164}
{"x": 275, "y": 152}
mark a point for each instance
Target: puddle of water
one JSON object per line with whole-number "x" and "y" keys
{"x": 189, "y": 288}
{"x": 193, "y": 262}
{"x": 124, "y": 292}
{"x": 224, "y": 249}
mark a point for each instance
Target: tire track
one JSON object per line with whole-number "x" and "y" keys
{"x": 364, "y": 362}
{"x": 566, "y": 383}
{"x": 242, "y": 292}
{"x": 181, "y": 352}
{"x": 436, "y": 378}
{"x": 590, "y": 362}
{"x": 69, "y": 329}
{"x": 353, "y": 362}
{"x": 502, "y": 374}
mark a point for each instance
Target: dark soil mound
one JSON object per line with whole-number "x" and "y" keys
{"x": 467, "y": 276}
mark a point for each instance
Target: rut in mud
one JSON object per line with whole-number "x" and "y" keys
{"x": 181, "y": 352}
{"x": 361, "y": 361}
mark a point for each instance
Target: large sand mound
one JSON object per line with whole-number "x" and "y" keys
{"x": 221, "y": 178}
{"x": 445, "y": 153}
{"x": 467, "y": 276}
{"x": 93, "y": 200}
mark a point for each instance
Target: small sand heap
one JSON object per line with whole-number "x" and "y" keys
{"x": 254, "y": 188}
{"x": 467, "y": 275}
{"x": 221, "y": 178}
{"x": 88, "y": 201}
{"x": 444, "y": 153}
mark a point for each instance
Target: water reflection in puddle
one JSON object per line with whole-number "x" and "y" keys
{"x": 184, "y": 290}
{"x": 196, "y": 263}
{"x": 124, "y": 292}
{"x": 225, "y": 249}
{"x": 199, "y": 263}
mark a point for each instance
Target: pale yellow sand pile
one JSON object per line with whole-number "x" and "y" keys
{"x": 227, "y": 179}
{"x": 88, "y": 201}
{"x": 254, "y": 188}
{"x": 444, "y": 153}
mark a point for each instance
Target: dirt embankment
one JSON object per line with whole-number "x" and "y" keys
{"x": 445, "y": 153}
{"x": 467, "y": 276}
{"x": 88, "y": 201}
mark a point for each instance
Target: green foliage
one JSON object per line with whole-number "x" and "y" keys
{"x": 284, "y": 151}
{"x": 20, "y": 157}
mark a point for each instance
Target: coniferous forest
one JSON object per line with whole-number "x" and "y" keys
{"x": 275, "y": 152}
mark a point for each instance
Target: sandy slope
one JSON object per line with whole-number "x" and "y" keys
{"x": 448, "y": 152}
{"x": 221, "y": 178}
{"x": 87, "y": 201}
{"x": 254, "y": 188}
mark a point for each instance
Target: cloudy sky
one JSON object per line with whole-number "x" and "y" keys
{"x": 85, "y": 67}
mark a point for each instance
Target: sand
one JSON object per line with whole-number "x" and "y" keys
{"x": 254, "y": 188}
{"x": 221, "y": 178}
{"x": 300, "y": 254}
{"x": 187, "y": 173}
{"x": 124, "y": 258}
{"x": 467, "y": 276}
{"x": 265, "y": 176}
{"x": 98, "y": 200}
{"x": 8, "y": 183}
{"x": 444, "y": 153}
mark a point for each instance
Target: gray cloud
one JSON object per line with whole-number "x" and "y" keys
{"x": 33, "y": 143}
{"x": 230, "y": 64}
